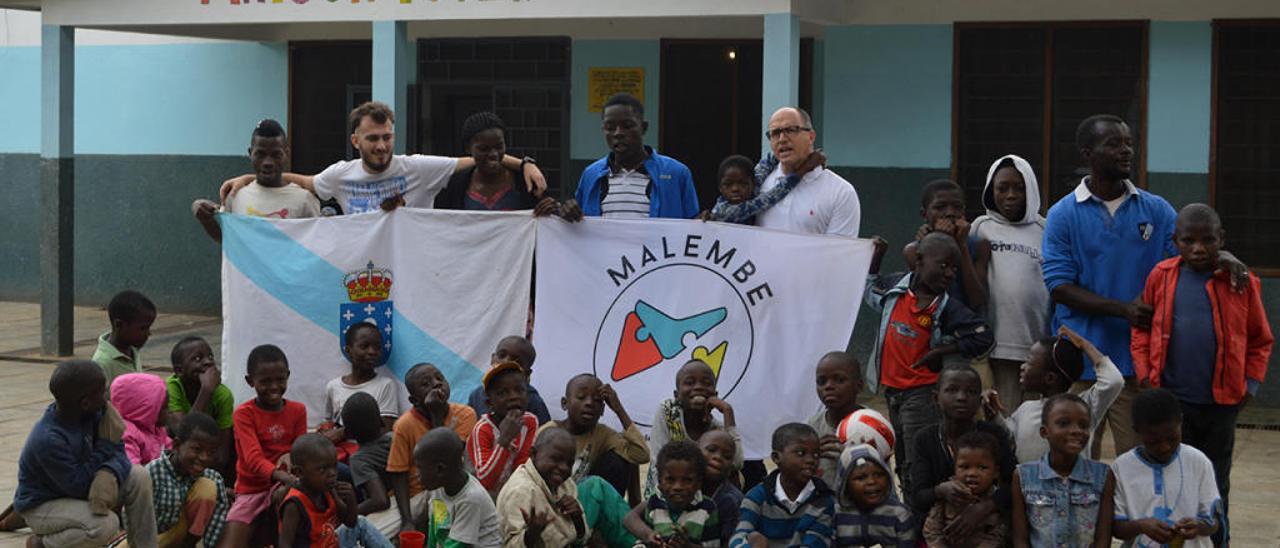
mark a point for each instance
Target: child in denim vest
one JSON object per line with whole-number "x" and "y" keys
{"x": 1063, "y": 499}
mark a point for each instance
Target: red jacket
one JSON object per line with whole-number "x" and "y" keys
{"x": 1244, "y": 337}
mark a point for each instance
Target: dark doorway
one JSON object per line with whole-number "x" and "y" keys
{"x": 326, "y": 80}
{"x": 525, "y": 81}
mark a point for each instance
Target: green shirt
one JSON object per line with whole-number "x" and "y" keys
{"x": 220, "y": 407}
{"x": 113, "y": 362}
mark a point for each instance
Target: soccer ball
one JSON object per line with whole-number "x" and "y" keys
{"x": 869, "y": 427}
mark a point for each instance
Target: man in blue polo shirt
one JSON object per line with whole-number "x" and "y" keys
{"x": 633, "y": 181}
{"x": 1100, "y": 243}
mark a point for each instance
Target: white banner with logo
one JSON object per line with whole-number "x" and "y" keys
{"x": 632, "y": 301}
{"x": 442, "y": 287}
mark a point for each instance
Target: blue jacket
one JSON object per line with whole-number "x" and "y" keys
{"x": 953, "y": 322}
{"x": 671, "y": 192}
{"x": 1110, "y": 256}
{"x": 59, "y": 460}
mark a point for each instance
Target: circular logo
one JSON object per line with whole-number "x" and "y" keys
{"x": 665, "y": 317}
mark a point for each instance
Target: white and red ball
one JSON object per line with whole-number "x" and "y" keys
{"x": 869, "y": 427}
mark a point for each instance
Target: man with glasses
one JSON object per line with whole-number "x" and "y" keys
{"x": 633, "y": 181}
{"x": 823, "y": 202}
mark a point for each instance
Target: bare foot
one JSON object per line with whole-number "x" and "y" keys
{"x": 10, "y": 520}
{"x": 34, "y": 542}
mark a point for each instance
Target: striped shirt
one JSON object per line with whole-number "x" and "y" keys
{"x": 762, "y": 512}
{"x": 627, "y": 196}
{"x": 891, "y": 525}
{"x": 494, "y": 463}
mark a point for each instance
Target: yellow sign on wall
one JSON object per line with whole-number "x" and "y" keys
{"x": 603, "y": 82}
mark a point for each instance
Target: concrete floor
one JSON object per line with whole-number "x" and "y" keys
{"x": 24, "y": 376}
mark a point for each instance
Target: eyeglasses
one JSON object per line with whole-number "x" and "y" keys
{"x": 777, "y": 132}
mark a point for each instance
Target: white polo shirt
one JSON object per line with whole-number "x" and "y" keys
{"x": 823, "y": 203}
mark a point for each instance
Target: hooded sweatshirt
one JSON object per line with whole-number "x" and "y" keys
{"x": 1020, "y": 308}
{"x": 139, "y": 397}
{"x": 890, "y": 524}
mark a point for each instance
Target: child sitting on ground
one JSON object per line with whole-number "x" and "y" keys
{"x": 502, "y": 438}
{"x": 73, "y": 465}
{"x": 740, "y": 181}
{"x": 191, "y": 499}
{"x": 791, "y": 507}
{"x": 320, "y": 511}
{"x": 1207, "y": 343}
{"x": 1164, "y": 488}
{"x": 265, "y": 429}
{"x": 1052, "y": 366}
{"x": 459, "y": 510}
{"x": 520, "y": 350}
{"x": 131, "y": 314}
{"x": 1063, "y": 499}
{"x": 602, "y": 451}
{"x": 538, "y": 506}
{"x": 688, "y": 415}
{"x": 140, "y": 399}
{"x": 1019, "y": 311}
{"x": 868, "y": 512}
{"x": 429, "y": 408}
{"x": 838, "y": 379}
{"x": 975, "y": 471}
{"x": 920, "y": 325}
{"x": 363, "y": 423}
{"x": 363, "y": 347}
{"x": 196, "y": 385}
{"x": 718, "y": 448}
{"x": 935, "y": 452}
{"x": 679, "y": 515}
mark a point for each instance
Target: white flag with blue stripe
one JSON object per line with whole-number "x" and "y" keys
{"x": 442, "y": 286}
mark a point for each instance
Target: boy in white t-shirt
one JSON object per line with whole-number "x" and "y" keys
{"x": 267, "y": 194}
{"x": 1164, "y": 489}
{"x": 382, "y": 179}
{"x": 459, "y": 511}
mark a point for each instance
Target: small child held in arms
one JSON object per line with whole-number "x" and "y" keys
{"x": 140, "y": 399}
{"x": 363, "y": 347}
{"x": 363, "y": 422}
{"x": 539, "y": 506}
{"x": 430, "y": 408}
{"x": 503, "y": 437}
{"x": 602, "y": 451}
{"x": 791, "y": 507}
{"x": 740, "y": 180}
{"x": 131, "y": 314}
{"x": 1052, "y": 366}
{"x": 679, "y": 515}
{"x": 718, "y": 447}
{"x": 935, "y": 465}
{"x": 838, "y": 379}
{"x": 1164, "y": 488}
{"x": 920, "y": 325}
{"x": 514, "y": 349}
{"x": 688, "y": 415}
{"x": 1207, "y": 343}
{"x": 196, "y": 385}
{"x": 265, "y": 429}
{"x": 459, "y": 511}
{"x": 191, "y": 499}
{"x": 868, "y": 512}
{"x": 976, "y": 471}
{"x": 1063, "y": 498}
{"x": 73, "y": 469}
{"x": 320, "y": 511}
{"x": 1019, "y": 311}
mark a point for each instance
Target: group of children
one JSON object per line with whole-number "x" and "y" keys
{"x": 188, "y": 465}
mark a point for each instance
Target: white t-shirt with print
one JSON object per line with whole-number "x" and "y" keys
{"x": 823, "y": 203}
{"x": 1183, "y": 488}
{"x": 470, "y": 517}
{"x": 284, "y": 202}
{"x": 384, "y": 389}
{"x": 417, "y": 177}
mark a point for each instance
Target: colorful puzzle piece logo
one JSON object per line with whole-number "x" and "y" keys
{"x": 650, "y": 336}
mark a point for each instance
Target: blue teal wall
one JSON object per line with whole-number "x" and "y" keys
{"x": 1180, "y": 73}
{"x": 888, "y": 96}
{"x": 585, "y": 139}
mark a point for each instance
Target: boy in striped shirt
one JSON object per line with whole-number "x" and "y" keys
{"x": 791, "y": 507}
{"x": 502, "y": 438}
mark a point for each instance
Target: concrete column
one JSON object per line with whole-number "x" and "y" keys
{"x": 57, "y": 187}
{"x": 781, "y": 85}
{"x": 394, "y": 69}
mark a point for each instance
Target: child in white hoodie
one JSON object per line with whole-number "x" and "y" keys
{"x": 1019, "y": 311}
